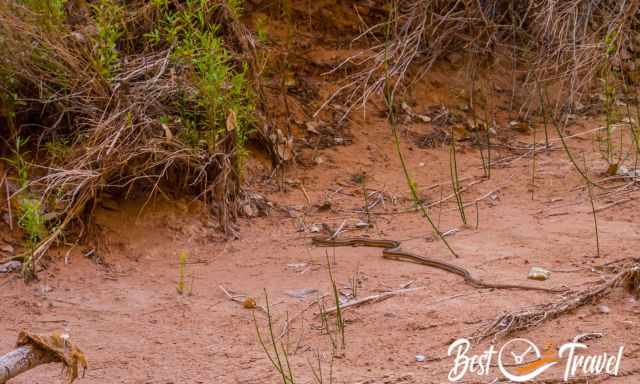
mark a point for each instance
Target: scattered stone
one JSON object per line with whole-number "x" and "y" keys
{"x": 540, "y": 274}
{"x": 603, "y": 308}
{"x": 362, "y": 224}
{"x": 421, "y": 358}
{"x": 301, "y": 293}
{"x": 450, "y": 232}
{"x": 10, "y": 266}
{"x": 423, "y": 118}
{"x": 297, "y": 265}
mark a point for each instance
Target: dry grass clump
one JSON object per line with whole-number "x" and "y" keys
{"x": 568, "y": 43}
{"x": 124, "y": 97}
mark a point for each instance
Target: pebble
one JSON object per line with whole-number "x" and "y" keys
{"x": 421, "y": 358}
{"x": 537, "y": 273}
{"x": 10, "y": 266}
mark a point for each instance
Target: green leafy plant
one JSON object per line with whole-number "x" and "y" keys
{"x": 19, "y": 162}
{"x": 32, "y": 223}
{"x": 340, "y": 323}
{"x": 108, "y": 19}
{"x": 277, "y": 352}
{"x": 223, "y": 102}
{"x": 57, "y": 149}
{"x": 261, "y": 29}
{"x": 455, "y": 181}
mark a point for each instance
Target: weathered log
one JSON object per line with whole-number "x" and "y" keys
{"x": 21, "y": 360}
{"x": 33, "y": 350}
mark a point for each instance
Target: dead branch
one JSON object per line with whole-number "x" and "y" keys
{"x": 33, "y": 350}
{"x": 371, "y": 299}
{"x": 527, "y": 318}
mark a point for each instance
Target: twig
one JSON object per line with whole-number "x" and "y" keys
{"x": 237, "y": 298}
{"x": 372, "y": 299}
{"x": 304, "y": 192}
{"x": 285, "y": 327}
{"x": 625, "y": 200}
{"x": 337, "y": 232}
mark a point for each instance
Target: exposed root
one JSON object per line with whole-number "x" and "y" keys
{"x": 527, "y": 318}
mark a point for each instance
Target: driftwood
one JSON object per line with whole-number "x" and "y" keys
{"x": 33, "y": 350}
{"x": 21, "y": 360}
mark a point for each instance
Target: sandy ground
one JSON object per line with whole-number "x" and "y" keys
{"x": 135, "y": 328}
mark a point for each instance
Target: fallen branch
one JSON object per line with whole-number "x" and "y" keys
{"x": 21, "y": 360}
{"x": 527, "y": 318}
{"x": 625, "y": 200}
{"x": 372, "y": 299}
{"x": 34, "y": 350}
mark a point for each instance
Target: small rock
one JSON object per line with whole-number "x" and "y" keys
{"x": 362, "y": 224}
{"x": 10, "y": 266}
{"x": 421, "y": 358}
{"x": 537, "y": 273}
{"x": 301, "y": 293}
{"x": 296, "y": 265}
{"x": 423, "y": 118}
{"x": 603, "y": 308}
{"x": 314, "y": 228}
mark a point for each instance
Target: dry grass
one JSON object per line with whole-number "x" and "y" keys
{"x": 566, "y": 43}
{"x": 126, "y": 114}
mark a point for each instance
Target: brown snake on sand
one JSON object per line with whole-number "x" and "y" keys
{"x": 391, "y": 250}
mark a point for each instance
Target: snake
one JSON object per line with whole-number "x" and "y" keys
{"x": 391, "y": 250}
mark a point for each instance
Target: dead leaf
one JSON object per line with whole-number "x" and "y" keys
{"x": 249, "y": 303}
{"x": 232, "y": 121}
{"x": 167, "y": 132}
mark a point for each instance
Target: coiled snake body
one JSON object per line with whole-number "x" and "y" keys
{"x": 391, "y": 250}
